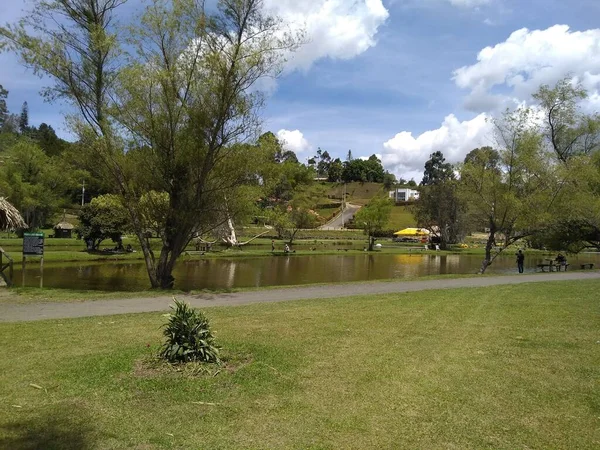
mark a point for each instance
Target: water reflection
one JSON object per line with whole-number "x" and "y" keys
{"x": 275, "y": 270}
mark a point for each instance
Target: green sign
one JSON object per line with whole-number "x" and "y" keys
{"x": 33, "y": 244}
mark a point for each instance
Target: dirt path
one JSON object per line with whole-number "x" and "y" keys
{"x": 41, "y": 311}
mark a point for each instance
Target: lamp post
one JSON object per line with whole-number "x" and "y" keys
{"x": 343, "y": 203}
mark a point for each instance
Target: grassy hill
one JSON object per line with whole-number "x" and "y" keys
{"x": 356, "y": 193}
{"x": 400, "y": 218}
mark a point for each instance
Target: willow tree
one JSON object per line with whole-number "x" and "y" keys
{"x": 164, "y": 111}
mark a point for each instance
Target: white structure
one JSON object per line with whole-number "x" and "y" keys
{"x": 404, "y": 194}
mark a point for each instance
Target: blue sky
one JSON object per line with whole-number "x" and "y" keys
{"x": 399, "y": 78}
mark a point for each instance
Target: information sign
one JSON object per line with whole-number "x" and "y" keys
{"x": 33, "y": 244}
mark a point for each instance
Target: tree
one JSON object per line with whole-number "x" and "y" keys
{"x": 104, "y": 217}
{"x": 373, "y": 218}
{"x": 436, "y": 169}
{"x": 3, "y": 107}
{"x": 47, "y": 139}
{"x": 181, "y": 93}
{"x": 439, "y": 208}
{"x": 24, "y": 119}
{"x": 336, "y": 169}
{"x": 568, "y": 131}
{"x": 389, "y": 181}
{"x": 32, "y": 181}
{"x": 514, "y": 192}
{"x": 349, "y": 156}
{"x": 324, "y": 161}
{"x": 573, "y": 136}
{"x": 363, "y": 170}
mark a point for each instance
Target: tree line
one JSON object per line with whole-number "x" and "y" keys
{"x": 539, "y": 182}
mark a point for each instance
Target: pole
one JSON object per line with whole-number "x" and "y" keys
{"x": 82, "y": 192}
{"x": 23, "y": 270}
{"x": 42, "y": 273}
{"x": 343, "y": 204}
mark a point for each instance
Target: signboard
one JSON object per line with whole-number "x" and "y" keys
{"x": 33, "y": 244}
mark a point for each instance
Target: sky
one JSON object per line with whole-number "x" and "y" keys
{"x": 397, "y": 78}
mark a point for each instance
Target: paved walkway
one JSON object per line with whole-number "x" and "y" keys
{"x": 41, "y": 311}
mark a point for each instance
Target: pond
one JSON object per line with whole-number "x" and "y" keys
{"x": 224, "y": 273}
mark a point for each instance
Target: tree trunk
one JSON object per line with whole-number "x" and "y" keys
{"x": 488, "y": 250}
{"x": 229, "y": 236}
{"x": 371, "y": 243}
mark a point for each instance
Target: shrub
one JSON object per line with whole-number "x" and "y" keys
{"x": 188, "y": 336}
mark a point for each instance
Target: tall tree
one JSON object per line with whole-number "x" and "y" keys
{"x": 3, "y": 107}
{"x": 514, "y": 192}
{"x": 439, "y": 208}
{"x": 436, "y": 169}
{"x": 24, "y": 119}
{"x": 183, "y": 94}
{"x": 567, "y": 129}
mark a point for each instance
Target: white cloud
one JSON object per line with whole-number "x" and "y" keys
{"x": 469, "y": 3}
{"x": 406, "y": 155}
{"x": 528, "y": 59}
{"x": 293, "y": 140}
{"x": 334, "y": 28}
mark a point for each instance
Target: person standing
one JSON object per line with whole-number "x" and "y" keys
{"x": 520, "y": 260}
{"x": 272, "y": 245}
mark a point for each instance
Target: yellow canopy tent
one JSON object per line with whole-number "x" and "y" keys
{"x": 412, "y": 232}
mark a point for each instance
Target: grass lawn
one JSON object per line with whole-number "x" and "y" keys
{"x": 401, "y": 218}
{"x": 507, "y": 367}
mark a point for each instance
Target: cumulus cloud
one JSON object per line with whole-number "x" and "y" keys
{"x": 293, "y": 140}
{"x": 406, "y": 155}
{"x": 528, "y": 59}
{"x": 337, "y": 29}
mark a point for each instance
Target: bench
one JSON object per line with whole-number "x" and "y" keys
{"x": 587, "y": 266}
{"x": 553, "y": 267}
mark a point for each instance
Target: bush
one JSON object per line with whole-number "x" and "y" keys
{"x": 188, "y": 336}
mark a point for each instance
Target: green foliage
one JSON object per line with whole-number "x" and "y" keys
{"x": 188, "y": 336}
{"x": 104, "y": 217}
{"x": 567, "y": 130}
{"x": 369, "y": 170}
{"x": 24, "y": 119}
{"x": 436, "y": 170}
{"x": 515, "y": 191}
{"x": 374, "y": 217}
{"x": 441, "y": 210}
{"x": 31, "y": 181}
{"x": 335, "y": 171}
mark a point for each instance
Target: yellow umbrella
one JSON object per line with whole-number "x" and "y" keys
{"x": 412, "y": 232}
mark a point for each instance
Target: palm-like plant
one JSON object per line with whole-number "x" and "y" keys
{"x": 188, "y": 336}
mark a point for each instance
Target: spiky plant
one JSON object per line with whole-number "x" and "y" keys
{"x": 188, "y": 336}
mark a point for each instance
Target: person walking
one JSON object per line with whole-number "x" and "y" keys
{"x": 520, "y": 260}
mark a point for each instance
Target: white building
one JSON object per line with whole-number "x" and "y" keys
{"x": 404, "y": 194}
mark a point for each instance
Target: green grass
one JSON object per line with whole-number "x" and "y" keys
{"x": 401, "y": 218}
{"x": 503, "y": 368}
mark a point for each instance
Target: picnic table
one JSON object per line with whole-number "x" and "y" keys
{"x": 553, "y": 266}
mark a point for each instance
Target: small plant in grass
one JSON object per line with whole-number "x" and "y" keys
{"x": 188, "y": 336}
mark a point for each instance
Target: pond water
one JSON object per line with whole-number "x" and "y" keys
{"x": 223, "y": 273}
